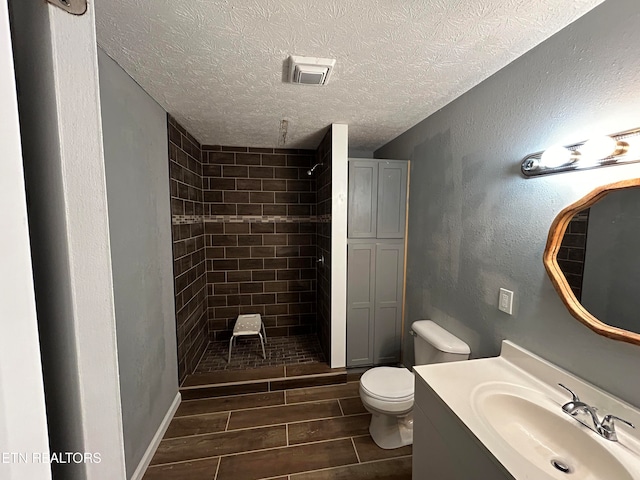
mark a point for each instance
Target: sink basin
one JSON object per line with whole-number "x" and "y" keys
{"x": 533, "y": 426}
{"x": 502, "y": 418}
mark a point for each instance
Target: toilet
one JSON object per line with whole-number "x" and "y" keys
{"x": 387, "y": 392}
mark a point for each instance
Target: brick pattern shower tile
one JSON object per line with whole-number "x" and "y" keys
{"x": 323, "y": 228}
{"x": 572, "y": 251}
{"x": 189, "y": 267}
{"x": 245, "y": 241}
{"x": 260, "y": 235}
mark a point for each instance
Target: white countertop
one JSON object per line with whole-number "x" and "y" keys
{"x": 517, "y": 370}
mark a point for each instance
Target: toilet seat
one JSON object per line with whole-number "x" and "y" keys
{"x": 388, "y": 384}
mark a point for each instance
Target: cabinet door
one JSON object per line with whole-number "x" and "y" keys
{"x": 388, "y": 302}
{"x": 363, "y": 199}
{"x": 361, "y": 265}
{"x": 392, "y": 199}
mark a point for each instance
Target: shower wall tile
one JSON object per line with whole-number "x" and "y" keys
{"x": 259, "y": 207}
{"x": 242, "y": 181}
{"x": 244, "y": 240}
{"x": 323, "y": 239}
{"x": 189, "y": 254}
{"x": 572, "y": 251}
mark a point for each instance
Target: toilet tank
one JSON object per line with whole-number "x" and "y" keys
{"x": 434, "y": 344}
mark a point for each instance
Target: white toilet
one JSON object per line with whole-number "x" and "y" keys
{"x": 387, "y": 392}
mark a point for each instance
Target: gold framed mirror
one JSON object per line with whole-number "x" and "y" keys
{"x": 594, "y": 240}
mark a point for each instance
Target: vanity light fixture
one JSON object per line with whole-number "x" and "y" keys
{"x": 617, "y": 149}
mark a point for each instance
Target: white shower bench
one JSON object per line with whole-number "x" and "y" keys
{"x": 249, "y": 324}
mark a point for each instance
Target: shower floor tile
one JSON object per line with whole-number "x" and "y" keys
{"x": 247, "y": 353}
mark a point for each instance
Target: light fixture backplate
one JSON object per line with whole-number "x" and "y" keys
{"x": 532, "y": 166}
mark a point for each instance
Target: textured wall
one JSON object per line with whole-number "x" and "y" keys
{"x": 135, "y": 155}
{"x": 475, "y": 224}
{"x": 323, "y": 156}
{"x": 260, "y": 232}
{"x": 189, "y": 266}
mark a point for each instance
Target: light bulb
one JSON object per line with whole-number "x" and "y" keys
{"x": 597, "y": 149}
{"x": 556, "y": 157}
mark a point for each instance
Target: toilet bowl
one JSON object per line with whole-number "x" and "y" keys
{"x": 387, "y": 392}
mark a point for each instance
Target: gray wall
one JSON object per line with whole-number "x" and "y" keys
{"x": 357, "y": 153}
{"x": 475, "y": 224}
{"x": 136, "y": 161}
{"x": 612, "y": 265}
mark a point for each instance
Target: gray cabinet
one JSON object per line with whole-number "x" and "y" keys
{"x": 444, "y": 446}
{"x": 392, "y": 199}
{"x": 363, "y": 199}
{"x": 375, "y": 275}
{"x": 375, "y": 260}
{"x": 377, "y": 198}
{"x": 389, "y": 276}
{"x": 361, "y": 267}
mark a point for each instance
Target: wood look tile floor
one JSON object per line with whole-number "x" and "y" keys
{"x": 315, "y": 433}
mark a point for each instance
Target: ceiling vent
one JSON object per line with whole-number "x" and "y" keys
{"x": 310, "y": 70}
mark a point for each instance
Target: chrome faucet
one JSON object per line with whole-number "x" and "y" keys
{"x": 605, "y": 428}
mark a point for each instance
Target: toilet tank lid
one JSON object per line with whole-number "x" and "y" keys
{"x": 439, "y": 337}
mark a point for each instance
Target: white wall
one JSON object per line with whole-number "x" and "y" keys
{"x": 57, "y": 75}
{"x": 137, "y": 170}
{"x": 339, "y": 188}
{"x": 476, "y": 224}
{"x": 23, "y": 422}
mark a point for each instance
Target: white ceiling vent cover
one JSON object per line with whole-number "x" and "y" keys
{"x": 310, "y": 70}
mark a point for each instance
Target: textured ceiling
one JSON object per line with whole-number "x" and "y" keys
{"x": 217, "y": 65}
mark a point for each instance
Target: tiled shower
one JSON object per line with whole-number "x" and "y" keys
{"x": 247, "y": 234}
{"x": 189, "y": 266}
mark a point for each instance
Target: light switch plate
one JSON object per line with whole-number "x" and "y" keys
{"x": 505, "y": 301}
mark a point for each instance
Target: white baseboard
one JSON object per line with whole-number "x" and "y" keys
{"x": 155, "y": 441}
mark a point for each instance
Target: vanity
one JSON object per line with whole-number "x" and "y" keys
{"x": 518, "y": 415}
{"x": 503, "y": 418}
